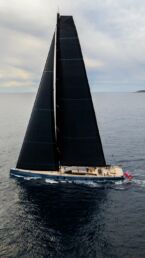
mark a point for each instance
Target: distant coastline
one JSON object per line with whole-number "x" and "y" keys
{"x": 140, "y": 91}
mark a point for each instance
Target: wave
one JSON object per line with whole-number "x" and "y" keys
{"x": 139, "y": 182}
{"x": 130, "y": 160}
{"x": 51, "y": 181}
{"x": 116, "y": 185}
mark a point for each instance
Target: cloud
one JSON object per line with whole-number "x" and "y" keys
{"x": 94, "y": 64}
{"x": 112, "y": 36}
{"x": 14, "y": 73}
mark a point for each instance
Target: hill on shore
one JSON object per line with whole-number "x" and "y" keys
{"x": 140, "y": 91}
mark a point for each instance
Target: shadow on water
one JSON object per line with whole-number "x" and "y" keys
{"x": 60, "y": 220}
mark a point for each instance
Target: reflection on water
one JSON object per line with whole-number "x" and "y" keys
{"x": 63, "y": 220}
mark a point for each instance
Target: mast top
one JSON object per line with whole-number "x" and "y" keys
{"x": 58, "y": 15}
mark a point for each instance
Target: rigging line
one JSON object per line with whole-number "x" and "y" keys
{"x": 80, "y": 138}
{"x": 70, "y": 99}
{"x": 48, "y": 71}
{"x": 65, "y": 38}
{"x": 42, "y": 142}
{"x": 44, "y": 109}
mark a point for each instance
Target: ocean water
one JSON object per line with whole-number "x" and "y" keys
{"x": 48, "y": 219}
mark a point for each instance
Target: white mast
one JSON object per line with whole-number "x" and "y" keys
{"x": 54, "y": 82}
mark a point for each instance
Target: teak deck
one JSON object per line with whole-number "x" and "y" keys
{"x": 99, "y": 173}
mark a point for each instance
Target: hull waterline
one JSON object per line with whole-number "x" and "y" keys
{"x": 57, "y": 176}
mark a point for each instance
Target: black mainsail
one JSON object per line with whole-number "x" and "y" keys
{"x": 39, "y": 147}
{"x": 72, "y": 139}
{"x": 79, "y": 141}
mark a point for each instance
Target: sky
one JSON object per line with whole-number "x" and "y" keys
{"x": 111, "y": 33}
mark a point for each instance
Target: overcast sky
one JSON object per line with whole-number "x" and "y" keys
{"x": 111, "y": 33}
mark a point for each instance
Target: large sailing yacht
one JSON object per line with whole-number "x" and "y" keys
{"x": 62, "y": 140}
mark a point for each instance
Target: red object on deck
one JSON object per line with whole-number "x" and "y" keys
{"x": 127, "y": 175}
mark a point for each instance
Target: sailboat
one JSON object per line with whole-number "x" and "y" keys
{"x": 62, "y": 141}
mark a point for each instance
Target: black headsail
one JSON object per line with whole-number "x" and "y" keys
{"x": 39, "y": 147}
{"x": 77, "y": 131}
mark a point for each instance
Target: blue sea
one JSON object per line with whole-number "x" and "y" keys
{"x": 48, "y": 219}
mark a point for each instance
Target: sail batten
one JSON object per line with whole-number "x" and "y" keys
{"x": 70, "y": 59}
{"x": 78, "y": 135}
